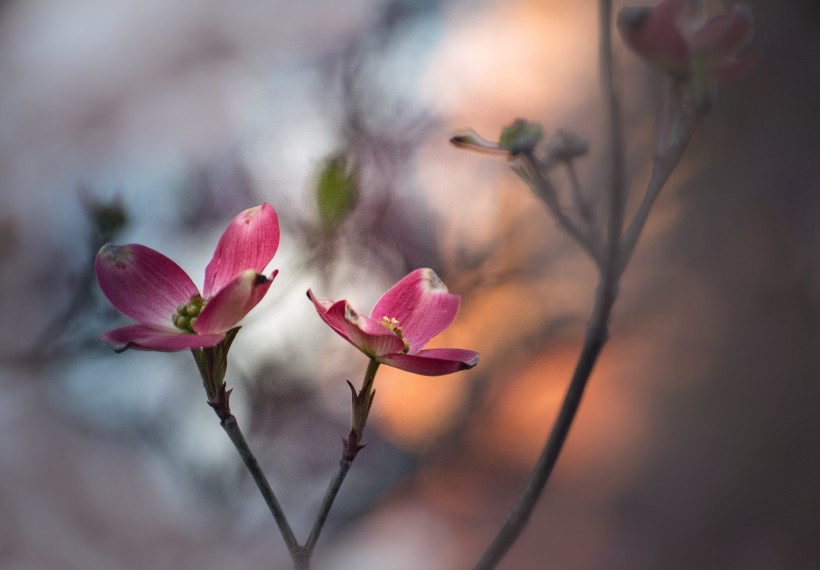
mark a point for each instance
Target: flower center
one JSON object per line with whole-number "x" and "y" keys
{"x": 186, "y": 315}
{"x": 392, "y": 324}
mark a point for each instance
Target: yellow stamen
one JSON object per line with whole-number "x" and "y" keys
{"x": 392, "y": 324}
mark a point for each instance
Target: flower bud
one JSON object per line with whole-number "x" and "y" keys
{"x": 521, "y": 137}
{"x": 699, "y": 52}
{"x": 564, "y": 146}
{"x": 471, "y": 140}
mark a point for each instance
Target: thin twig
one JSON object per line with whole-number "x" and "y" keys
{"x": 520, "y": 515}
{"x": 350, "y": 448}
{"x": 543, "y": 187}
{"x": 597, "y": 331}
{"x": 581, "y": 203}
{"x": 620, "y": 246}
{"x": 662, "y": 167}
{"x": 617, "y": 180}
{"x": 330, "y": 497}
{"x": 231, "y": 427}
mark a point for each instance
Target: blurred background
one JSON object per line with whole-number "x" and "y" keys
{"x": 698, "y": 442}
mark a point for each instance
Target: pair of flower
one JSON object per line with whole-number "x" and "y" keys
{"x": 151, "y": 289}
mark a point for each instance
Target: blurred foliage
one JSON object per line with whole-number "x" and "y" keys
{"x": 336, "y": 193}
{"x": 107, "y": 219}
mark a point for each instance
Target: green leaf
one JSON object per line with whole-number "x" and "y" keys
{"x": 337, "y": 192}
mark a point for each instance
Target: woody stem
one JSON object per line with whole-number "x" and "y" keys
{"x": 361, "y": 409}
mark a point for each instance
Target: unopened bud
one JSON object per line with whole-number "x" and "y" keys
{"x": 564, "y": 146}
{"x": 521, "y": 137}
{"x": 631, "y": 19}
{"x": 471, "y": 140}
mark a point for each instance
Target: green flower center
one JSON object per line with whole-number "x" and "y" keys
{"x": 186, "y": 315}
{"x": 392, "y": 324}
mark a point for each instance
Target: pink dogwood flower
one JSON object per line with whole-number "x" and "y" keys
{"x": 413, "y": 311}
{"x": 172, "y": 315}
{"x": 676, "y": 36}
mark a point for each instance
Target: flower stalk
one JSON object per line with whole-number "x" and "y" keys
{"x": 619, "y": 247}
{"x": 519, "y": 516}
{"x": 530, "y": 170}
{"x": 663, "y": 164}
{"x": 231, "y": 427}
{"x": 213, "y": 364}
{"x": 362, "y": 402}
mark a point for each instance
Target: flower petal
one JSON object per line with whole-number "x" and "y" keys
{"x": 363, "y": 333}
{"x": 655, "y": 34}
{"x": 421, "y": 304}
{"x": 725, "y": 35}
{"x": 142, "y": 283}
{"x": 249, "y": 242}
{"x": 142, "y": 337}
{"x": 233, "y": 302}
{"x": 434, "y": 361}
{"x": 733, "y": 69}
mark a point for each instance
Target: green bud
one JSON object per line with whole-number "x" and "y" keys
{"x": 521, "y": 137}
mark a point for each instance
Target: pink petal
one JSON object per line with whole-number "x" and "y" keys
{"x": 142, "y": 337}
{"x": 733, "y": 69}
{"x": 724, "y": 36}
{"x": 362, "y": 332}
{"x": 233, "y": 302}
{"x": 142, "y": 283}
{"x": 421, "y": 304}
{"x": 655, "y": 34}
{"x": 434, "y": 361}
{"x": 249, "y": 242}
